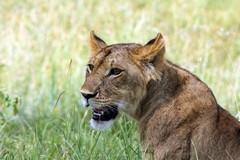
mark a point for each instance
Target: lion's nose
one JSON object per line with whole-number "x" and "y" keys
{"x": 88, "y": 95}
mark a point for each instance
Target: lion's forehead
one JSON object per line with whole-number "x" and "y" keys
{"x": 110, "y": 57}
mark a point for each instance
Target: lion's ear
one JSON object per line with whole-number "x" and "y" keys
{"x": 153, "y": 51}
{"x": 96, "y": 43}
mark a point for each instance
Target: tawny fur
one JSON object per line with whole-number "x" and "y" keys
{"x": 178, "y": 115}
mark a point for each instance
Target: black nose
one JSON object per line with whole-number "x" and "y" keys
{"x": 88, "y": 95}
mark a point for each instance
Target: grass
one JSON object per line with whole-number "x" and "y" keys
{"x": 44, "y": 48}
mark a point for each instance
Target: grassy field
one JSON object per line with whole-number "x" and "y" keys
{"x": 44, "y": 49}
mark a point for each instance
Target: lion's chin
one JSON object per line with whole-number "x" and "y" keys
{"x": 101, "y": 125}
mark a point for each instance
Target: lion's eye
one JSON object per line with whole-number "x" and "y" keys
{"x": 115, "y": 71}
{"x": 90, "y": 67}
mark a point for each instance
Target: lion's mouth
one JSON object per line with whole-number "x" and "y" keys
{"x": 104, "y": 113}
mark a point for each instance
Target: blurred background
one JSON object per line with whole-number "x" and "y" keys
{"x": 44, "y": 49}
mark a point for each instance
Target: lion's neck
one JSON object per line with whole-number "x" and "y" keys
{"x": 159, "y": 92}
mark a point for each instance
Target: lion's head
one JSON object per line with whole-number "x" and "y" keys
{"x": 117, "y": 76}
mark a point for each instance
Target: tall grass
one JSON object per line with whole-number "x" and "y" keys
{"x": 44, "y": 48}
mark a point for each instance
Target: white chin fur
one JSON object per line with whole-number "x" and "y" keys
{"x": 121, "y": 106}
{"x": 101, "y": 125}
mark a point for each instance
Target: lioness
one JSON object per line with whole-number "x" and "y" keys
{"x": 178, "y": 116}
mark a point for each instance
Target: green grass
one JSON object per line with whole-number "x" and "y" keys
{"x": 44, "y": 48}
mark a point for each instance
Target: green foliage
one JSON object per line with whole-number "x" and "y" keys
{"x": 7, "y": 102}
{"x": 44, "y": 49}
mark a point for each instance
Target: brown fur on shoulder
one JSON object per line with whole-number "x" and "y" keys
{"x": 178, "y": 116}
